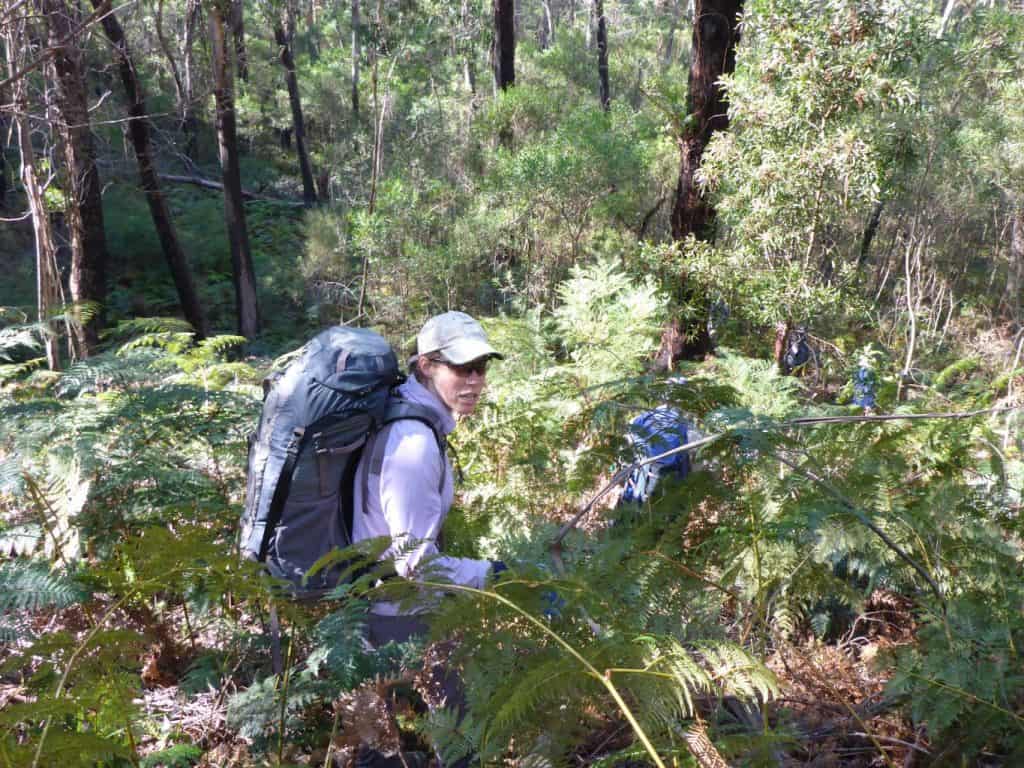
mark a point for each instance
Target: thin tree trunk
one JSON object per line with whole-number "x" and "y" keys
{"x": 468, "y": 55}
{"x": 1015, "y": 279}
{"x": 504, "y": 44}
{"x": 284, "y": 42}
{"x": 713, "y": 53}
{"x": 237, "y": 21}
{"x": 47, "y": 278}
{"x": 4, "y": 181}
{"x": 138, "y": 129}
{"x": 602, "y": 54}
{"x": 179, "y": 87}
{"x": 869, "y": 234}
{"x": 85, "y": 205}
{"x": 234, "y": 211}
{"x": 189, "y": 121}
{"x": 547, "y": 26}
{"x": 357, "y": 34}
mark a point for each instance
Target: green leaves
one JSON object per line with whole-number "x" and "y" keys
{"x": 28, "y": 586}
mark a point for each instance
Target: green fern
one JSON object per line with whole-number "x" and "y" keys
{"x": 30, "y": 586}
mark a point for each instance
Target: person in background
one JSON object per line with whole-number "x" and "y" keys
{"x": 651, "y": 434}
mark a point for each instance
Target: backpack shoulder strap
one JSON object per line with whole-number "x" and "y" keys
{"x": 397, "y": 411}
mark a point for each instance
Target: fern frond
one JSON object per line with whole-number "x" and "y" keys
{"x": 143, "y": 326}
{"x": 29, "y": 586}
{"x": 20, "y": 370}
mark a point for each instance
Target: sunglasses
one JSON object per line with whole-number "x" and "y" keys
{"x": 478, "y": 367}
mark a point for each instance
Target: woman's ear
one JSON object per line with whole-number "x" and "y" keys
{"x": 423, "y": 364}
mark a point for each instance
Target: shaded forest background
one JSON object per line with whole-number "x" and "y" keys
{"x": 621, "y": 190}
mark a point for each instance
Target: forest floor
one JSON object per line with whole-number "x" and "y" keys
{"x": 829, "y": 711}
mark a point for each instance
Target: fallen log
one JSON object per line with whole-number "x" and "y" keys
{"x": 199, "y": 181}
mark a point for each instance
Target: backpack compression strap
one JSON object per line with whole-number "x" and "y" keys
{"x": 284, "y": 483}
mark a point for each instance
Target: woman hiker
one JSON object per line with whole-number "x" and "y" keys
{"x": 404, "y": 491}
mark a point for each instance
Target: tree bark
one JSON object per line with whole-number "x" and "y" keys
{"x": 189, "y": 121}
{"x": 357, "y": 34}
{"x": 179, "y": 86}
{"x": 468, "y": 48}
{"x": 504, "y": 44}
{"x": 4, "y": 182}
{"x": 243, "y": 274}
{"x": 869, "y": 234}
{"x": 138, "y": 130}
{"x": 1015, "y": 281}
{"x": 85, "y": 205}
{"x": 547, "y": 26}
{"x": 47, "y": 276}
{"x": 602, "y": 54}
{"x": 283, "y": 39}
{"x": 236, "y": 18}
{"x": 715, "y": 37}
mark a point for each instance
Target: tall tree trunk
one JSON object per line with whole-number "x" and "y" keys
{"x": 85, "y": 204}
{"x": 468, "y": 55}
{"x": 47, "y": 277}
{"x": 4, "y": 181}
{"x": 138, "y": 130}
{"x": 713, "y": 54}
{"x": 172, "y": 62}
{"x": 189, "y": 121}
{"x": 869, "y": 234}
{"x": 357, "y": 35}
{"x": 504, "y": 44}
{"x": 237, "y": 21}
{"x": 234, "y": 212}
{"x": 1015, "y": 281}
{"x": 284, "y": 42}
{"x": 602, "y": 54}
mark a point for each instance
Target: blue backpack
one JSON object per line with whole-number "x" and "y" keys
{"x": 652, "y": 433}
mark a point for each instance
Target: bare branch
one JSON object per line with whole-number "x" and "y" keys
{"x": 98, "y": 15}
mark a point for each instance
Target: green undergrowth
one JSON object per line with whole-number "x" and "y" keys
{"x": 120, "y": 488}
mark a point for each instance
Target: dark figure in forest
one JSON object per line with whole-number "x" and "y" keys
{"x": 792, "y": 350}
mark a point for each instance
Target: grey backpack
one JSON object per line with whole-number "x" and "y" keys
{"x": 318, "y": 414}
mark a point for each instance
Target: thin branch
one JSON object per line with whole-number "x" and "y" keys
{"x": 623, "y": 474}
{"x": 862, "y": 516}
{"x": 10, "y": 11}
{"x": 96, "y": 16}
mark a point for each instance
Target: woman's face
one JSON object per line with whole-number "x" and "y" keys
{"x": 458, "y": 386}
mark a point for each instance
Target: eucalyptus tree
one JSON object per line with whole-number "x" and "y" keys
{"x": 712, "y": 55}
{"x": 88, "y": 277}
{"x": 602, "y": 53}
{"x": 504, "y": 51}
{"x": 47, "y": 276}
{"x": 283, "y": 20}
{"x": 243, "y": 273}
{"x": 139, "y": 133}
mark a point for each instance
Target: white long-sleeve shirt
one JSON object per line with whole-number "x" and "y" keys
{"x": 407, "y": 501}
